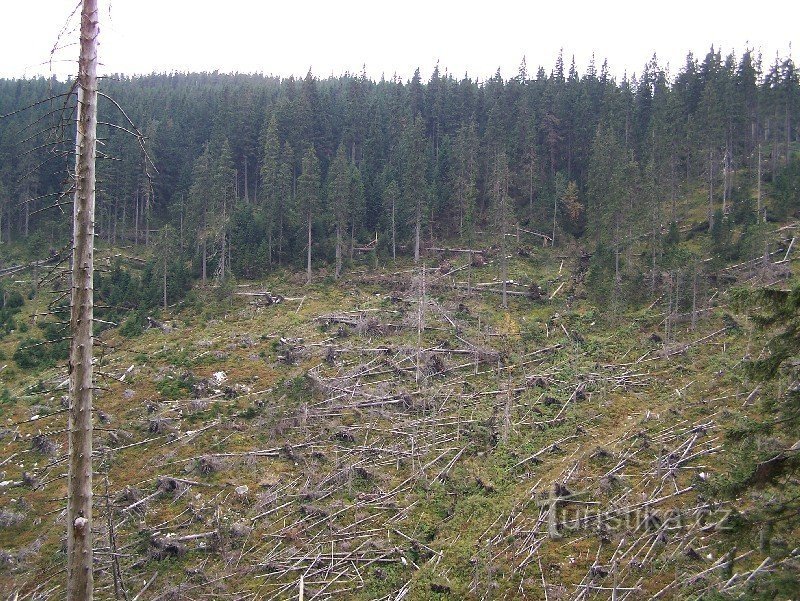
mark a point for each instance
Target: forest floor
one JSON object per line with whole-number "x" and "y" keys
{"x": 397, "y": 434}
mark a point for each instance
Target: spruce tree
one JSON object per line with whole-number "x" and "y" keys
{"x": 338, "y": 201}
{"x": 356, "y": 204}
{"x": 271, "y": 192}
{"x": 391, "y": 198}
{"x": 308, "y": 198}
{"x": 415, "y": 184}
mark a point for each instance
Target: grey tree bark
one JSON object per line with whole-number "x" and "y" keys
{"x": 417, "y": 228}
{"x": 80, "y": 583}
{"x": 758, "y": 188}
{"x": 710, "y": 190}
{"x": 308, "y": 256}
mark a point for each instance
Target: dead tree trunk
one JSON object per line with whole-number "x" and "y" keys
{"x": 80, "y": 583}
{"x": 758, "y": 187}
{"x": 394, "y": 232}
{"x": 338, "y": 250}
{"x": 205, "y": 260}
{"x": 417, "y": 228}
{"x": 164, "y": 282}
{"x": 136, "y": 218}
{"x": 710, "y": 190}
{"x": 726, "y": 173}
{"x": 308, "y": 265}
{"x": 420, "y": 325}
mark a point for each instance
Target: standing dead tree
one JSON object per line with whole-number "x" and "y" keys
{"x": 80, "y": 581}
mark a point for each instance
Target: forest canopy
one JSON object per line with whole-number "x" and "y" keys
{"x": 407, "y": 162}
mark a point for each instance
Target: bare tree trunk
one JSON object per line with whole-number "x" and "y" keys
{"x": 246, "y": 191}
{"x": 230, "y": 258}
{"x": 338, "y": 250}
{"x": 222, "y": 259}
{"x": 758, "y": 187}
{"x": 205, "y": 261}
{"x": 775, "y": 154}
{"x": 469, "y": 275}
{"x": 80, "y": 582}
{"x": 654, "y": 259}
{"x": 725, "y": 183}
{"x": 711, "y": 190}
{"x": 503, "y": 253}
{"x": 417, "y": 226}
{"x": 352, "y": 238}
{"x": 668, "y": 319}
{"x": 180, "y": 224}
{"x": 27, "y": 213}
{"x": 394, "y": 233}
{"x": 530, "y": 194}
{"x": 280, "y": 237}
{"x": 308, "y": 265}
{"x": 420, "y": 326}
{"x": 136, "y": 219}
{"x": 673, "y": 186}
{"x": 147, "y": 215}
{"x": 788, "y": 130}
{"x": 113, "y": 228}
{"x": 165, "y": 281}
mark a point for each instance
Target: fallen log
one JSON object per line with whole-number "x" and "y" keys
{"x": 268, "y": 297}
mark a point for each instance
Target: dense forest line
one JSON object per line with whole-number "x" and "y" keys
{"x": 246, "y": 172}
{"x": 626, "y": 421}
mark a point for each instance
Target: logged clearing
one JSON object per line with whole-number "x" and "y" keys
{"x": 396, "y": 434}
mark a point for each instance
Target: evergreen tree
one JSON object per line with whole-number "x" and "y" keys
{"x": 356, "y": 204}
{"x": 309, "y": 198}
{"x": 202, "y": 209}
{"x": 391, "y": 199}
{"x": 465, "y": 188}
{"x": 271, "y": 183}
{"x": 415, "y": 184}
{"x": 165, "y": 252}
{"x": 338, "y": 200}
{"x": 503, "y": 213}
{"x": 223, "y": 191}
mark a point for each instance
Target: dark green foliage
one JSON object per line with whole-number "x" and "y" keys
{"x": 763, "y": 458}
{"x": 13, "y": 300}
{"x": 126, "y": 298}
{"x": 673, "y": 235}
{"x": 782, "y": 311}
{"x": 787, "y": 189}
{"x": 11, "y": 303}
{"x": 134, "y": 324}
{"x": 151, "y": 292}
{"x": 33, "y": 353}
{"x": 175, "y": 388}
{"x": 723, "y": 247}
{"x": 589, "y": 156}
{"x": 249, "y": 245}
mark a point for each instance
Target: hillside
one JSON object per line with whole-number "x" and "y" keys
{"x": 397, "y": 434}
{"x": 526, "y": 338}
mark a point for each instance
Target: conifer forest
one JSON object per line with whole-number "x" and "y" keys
{"x": 527, "y": 337}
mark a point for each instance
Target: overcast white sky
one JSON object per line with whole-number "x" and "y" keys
{"x": 289, "y": 36}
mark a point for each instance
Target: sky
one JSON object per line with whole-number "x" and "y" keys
{"x": 289, "y": 37}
